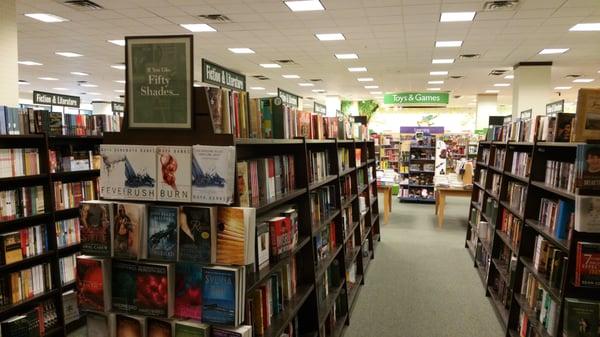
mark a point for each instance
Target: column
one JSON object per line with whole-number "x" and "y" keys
{"x": 333, "y": 103}
{"x": 487, "y": 105}
{"x": 532, "y": 88}
{"x": 9, "y": 87}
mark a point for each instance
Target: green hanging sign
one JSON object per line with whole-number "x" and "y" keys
{"x": 417, "y": 98}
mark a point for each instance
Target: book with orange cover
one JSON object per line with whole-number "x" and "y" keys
{"x": 236, "y": 235}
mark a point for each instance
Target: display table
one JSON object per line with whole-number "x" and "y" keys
{"x": 440, "y": 199}
{"x": 387, "y": 201}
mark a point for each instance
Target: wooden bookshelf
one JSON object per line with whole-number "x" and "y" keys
{"x": 508, "y": 309}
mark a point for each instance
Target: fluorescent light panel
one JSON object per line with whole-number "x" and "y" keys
{"x": 117, "y": 42}
{"x": 457, "y": 16}
{"x": 448, "y": 44}
{"x": 586, "y": 27}
{"x": 290, "y": 76}
{"x": 357, "y": 69}
{"x": 365, "y": 79}
{"x": 241, "y": 50}
{"x": 438, "y": 73}
{"x": 371, "y": 87}
{"x": 79, "y": 73}
{"x": 304, "y": 5}
{"x": 502, "y": 85}
{"x": 198, "y": 27}
{"x": 509, "y": 77}
{"x": 330, "y": 37}
{"x": 492, "y": 91}
{"x": 29, "y": 63}
{"x": 562, "y": 88}
{"x": 442, "y": 61}
{"x": 118, "y": 66}
{"x": 120, "y": 81}
{"x": 349, "y": 56}
{"x": 306, "y": 84}
{"x": 48, "y": 78}
{"x": 88, "y": 85}
{"x": 23, "y": 83}
{"x": 435, "y": 82}
{"x": 67, "y": 54}
{"x": 583, "y": 80}
{"x": 270, "y": 65}
{"x": 272, "y": 93}
{"x": 375, "y": 92}
{"x": 257, "y": 88}
{"x": 318, "y": 90}
{"x": 45, "y": 17}
{"x": 434, "y": 89}
{"x": 550, "y": 51}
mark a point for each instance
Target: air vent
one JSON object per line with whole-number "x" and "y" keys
{"x": 260, "y": 77}
{"x": 457, "y": 96}
{"x": 83, "y": 4}
{"x": 456, "y": 76}
{"x": 497, "y": 72}
{"x": 285, "y": 61}
{"x": 316, "y": 80}
{"x": 310, "y": 98}
{"x": 500, "y": 5}
{"x": 81, "y": 82}
{"x": 215, "y": 17}
{"x": 573, "y": 75}
{"x": 469, "y": 56}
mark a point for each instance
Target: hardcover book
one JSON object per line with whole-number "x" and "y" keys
{"x": 564, "y": 125}
{"x": 155, "y": 289}
{"x": 127, "y": 326}
{"x": 96, "y": 218}
{"x": 581, "y": 318}
{"x": 173, "y": 166}
{"x": 188, "y": 290}
{"x": 161, "y": 235}
{"x": 128, "y": 221}
{"x": 97, "y": 325}
{"x": 587, "y": 166}
{"x": 214, "y": 106}
{"x": 191, "y": 329}
{"x": 213, "y": 172}
{"x": 128, "y": 172}
{"x": 93, "y": 284}
{"x": 587, "y": 265}
{"x": 220, "y": 293}
{"x": 124, "y": 286}
{"x": 587, "y": 214}
{"x": 262, "y": 245}
{"x": 158, "y": 328}
{"x": 197, "y": 234}
{"x": 242, "y": 183}
{"x": 236, "y": 235}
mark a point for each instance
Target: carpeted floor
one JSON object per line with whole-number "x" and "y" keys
{"x": 422, "y": 282}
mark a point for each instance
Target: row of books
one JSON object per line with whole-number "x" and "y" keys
{"x": 23, "y": 244}
{"x": 515, "y": 195}
{"x": 318, "y": 165}
{"x": 26, "y": 283}
{"x": 343, "y": 159}
{"x": 483, "y": 177}
{"x": 263, "y": 180}
{"x": 499, "y": 159}
{"x": 491, "y": 210}
{"x": 71, "y": 194}
{"x": 17, "y": 162}
{"x": 35, "y": 322}
{"x": 66, "y": 267}
{"x": 331, "y": 279}
{"x": 485, "y": 155}
{"x": 322, "y": 203}
{"x": 22, "y": 202}
{"x": 21, "y": 121}
{"x": 347, "y": 220}
{"x": 496, "y": 179}
{"x": 556, "y": 128}
{"x": 558, "y": 216}
{"x": 521, "y": 164}
{"x": 67, "y": 232}
{"x": 549, "y": 261}
{"x": 325, "y": 242}
{"x": 74, "y": 161}
{"x": 199, "y": 173}
{"x": 511, "y": 226}
{"x": 540, "y": 305}
{"x": 560, "y": 174}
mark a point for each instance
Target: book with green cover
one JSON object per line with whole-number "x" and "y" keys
{"x": 191, "y": 329}
{"x": 581, "y": 318}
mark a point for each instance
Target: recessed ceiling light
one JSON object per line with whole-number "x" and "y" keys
{"x": 120, "y": 81}
{"x": 562, "y": 88}
{"x": 257, "y": 88}
{"x": 117, "y": 42}
{"x": 198, "y": 27}
{"x": 318, "y": 90}
{"x": 365, "y": 79}
{"x": 94, "y": 93}
{"x": 272, "y": 93}
{"x": 492, "y": 91}
{"x": 29, "y": 63}
{"x": 438, "y": 73}
{"x": 48, "y": 78}
{"x": 241, "y": 50}
{"x": 118, "y": 66}
{"x": 375, "y": 92}
{"x": 60, "y": 89}
{"x": 435, "y": 82}
{"x": 305, "y": 5}
{"x": 371, "y": 87}
{"x": 434, "y": 89}
{"x": 457, "y": 16}
{"x": 270, "y": 65}
{"x": 88, "y": 85}
{"x": 442, "y": 61}
{"x": 330, "y": 37}
{"x": 79, "y": 73}
{"x": 67, "y": 54}
{"x": 306, "y": 84}
{"x": 502, "y": 85}
{"x": 44, "y": 17}
{"x": 509, "y": 77}
{"x": 120, "y": 91}
{"x": 586, "y": 27}
{"x": 22, "y": 82}
{"x": 446, "y": 44}
{"x": 290, "y": 76}
{"x": 583, "y": 80}
{"x": 357, "y": 69}
{"x": 548, "y": 51}
{"x": 350, "y": 56}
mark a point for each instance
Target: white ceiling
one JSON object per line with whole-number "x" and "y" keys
{"x": 393, "y": 38}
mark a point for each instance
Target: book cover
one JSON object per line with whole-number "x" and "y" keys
{"x": 587, "y": 166}
{"x": 188, "y": 290}
{"x": 267, "y": 117}
{"x": 155, "y": 289}
{"x": 11, "y": 247}
{"x": 564, "y": 124}
{"x": 587, "y": 265}
{"x": 580, "y": 318}
{"x": 213, "y": 173}
{"x": 219, "y": 295}
{"x": 197, "y": 234}
{"x": 191, "y": 329}
{"x": 565, "y": 210}
{"x": 235, "y": 235}
{"x": 124, "y": 274}
{"x": 161, "y": 238}
{"x": 214, "y": 106}
{"x": 587, "y": 214}
{"x": 95, "y": 221}
{"x": 174, "y": 168}
{"x": 97, "y": 325}
{"x": 241, "y": 331}
{"x": 128, "y": 221}
{"x": 70, "y": 307}
{"x": 127, "y": 326}
{"x": 242, "y": 183}
{"x": 91, "y": 292}
{"x": 128, "y": 172}
{"x": 158, "y": 328}
{"x": 262, "y": 245}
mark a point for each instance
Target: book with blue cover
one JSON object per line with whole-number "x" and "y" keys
{"x": 221, "y": 295}
{"x": 563, "y": 219}
{"x": 197, "y": 234}
{"x": 161, "y": 234}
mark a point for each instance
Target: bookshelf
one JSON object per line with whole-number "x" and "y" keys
{"x": 421, "y": 170}
{"x": 345, "y": 268}
{"x": 502, "y": 236}
{"x": 54, "y": 250}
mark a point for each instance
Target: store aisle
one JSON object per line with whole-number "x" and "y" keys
{"x": 422, "y": 282}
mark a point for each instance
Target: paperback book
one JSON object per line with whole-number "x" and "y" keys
{"x": 155, "y": 289}
{"x": 236, "y": 235}
{"x": 191, "y": 329}
{"x": 188, "y": 290}
{"x": 96, "y": 218}
{"x": 158, "y": 328}
{"x": 97, "y": 324}
{"x": 213, "y": 172}
{"x": 587, "y": 166}
{"x": 173, "y": 166}
{"x": 587, "y": 214}
{"x": 587, "y": 265}
{"x": 581, "y": 318}
{"x": 197, "y": 234}
{"x": 129, "y": 326}
{"x": 93, "y": 283}
{"x": 161, "y": 235}
{"x": 221, "y": 291}
{"x": 128, "y": 221}
{"x": 128, "y": 172}
{"x": 124, "y": 274}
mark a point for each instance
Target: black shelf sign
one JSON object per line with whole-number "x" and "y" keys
{"x": 320, "y": 108}
{"x": 47, "y": 98}
{"x": 215, "y": 74}
{"x": 117, "y": 106}
{"x": 288, "y": 98}
{"x": 555, "y": 107}
{"x": 526, "y": 114}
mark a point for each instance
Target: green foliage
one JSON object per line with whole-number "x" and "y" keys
{"x": 345, "y": 107}
{"x": 367, "y": 108}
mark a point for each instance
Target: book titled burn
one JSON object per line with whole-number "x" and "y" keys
{"x": 173, "y": 165}
{"x": 197, "y": 234}
{"x": 188, "y": 290}
{"x": 155, "y": 289}
{"x": 128, "y": 172}
{"x": 127, "y": 228}
{"x": 95, "y": 218}
{"x": 213, "y": 171}
{"x": 160, "y": 239}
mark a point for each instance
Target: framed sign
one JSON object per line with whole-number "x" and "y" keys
{"x": 288, "y": 98}
{"x": 159, "y": 81}
{"x": 588, "y": 115}
{"x": 555, "y": 107}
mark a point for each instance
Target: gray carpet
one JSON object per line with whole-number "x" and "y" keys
{"x": 422, "y": 282}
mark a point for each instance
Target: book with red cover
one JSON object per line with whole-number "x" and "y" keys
{"x": 188, "y": 290}
{"x": 155, "y": 289}
{"x": 587, "y": 265}
{"x": 93, "y": 285}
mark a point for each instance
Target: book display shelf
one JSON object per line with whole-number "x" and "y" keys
{"x": 520, "y": 234}
{"x": 39, "y": 223}
{"x": 421, "y": 170}
{"x": 335, "y": 197}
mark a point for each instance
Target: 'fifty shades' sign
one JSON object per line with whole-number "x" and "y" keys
{"x": 47, "y": 98}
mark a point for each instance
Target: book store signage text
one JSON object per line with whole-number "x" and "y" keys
{"x": 417, "y": 98}
{"x": 320, "y": 108}
{"x": 215, "y": 74}
{"x": 117, "y": 106}
{"x": 46, "y": 98}
{"x": 288, "y": 98}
